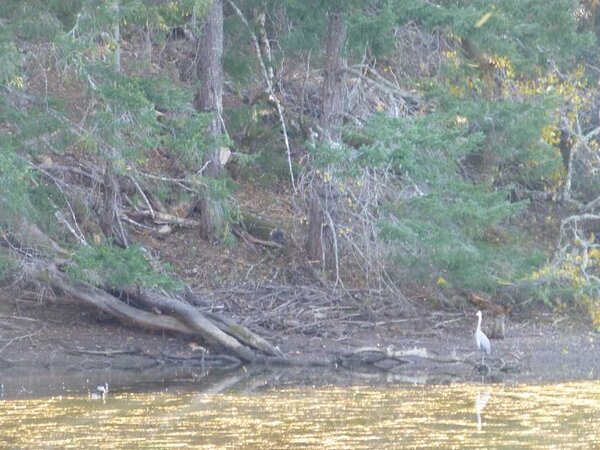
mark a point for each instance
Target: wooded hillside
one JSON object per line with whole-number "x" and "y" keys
{"x": 392, "y": 149}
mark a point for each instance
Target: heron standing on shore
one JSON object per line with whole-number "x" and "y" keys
{"x": 482, "y": 341}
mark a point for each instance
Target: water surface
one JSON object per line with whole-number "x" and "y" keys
{"x": 563, "y": 415}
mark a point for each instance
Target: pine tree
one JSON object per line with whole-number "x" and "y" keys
{"x": 209, "y": 99}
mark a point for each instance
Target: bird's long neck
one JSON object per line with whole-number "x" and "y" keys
{"x": 478, "y": 323}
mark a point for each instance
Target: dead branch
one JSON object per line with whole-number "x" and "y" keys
{"x": 40, "y": 240}
{"x": 177, "y": 181}
{"x": 141, "y": 191}
{"x": 336, "y": 255}
{"x": 19, "y": 338}
{"x": 109, "y": 353}
{"x": 162, "y": 218}
{"x": 574, "y": 241}
{"x": 73, "y": 229}
{"x": 252, "y": 240}
{"x": 591, "y": 205}
{"x": 124, "y": 218}
{"x": 5, "y": 316}
{"x": 382, "y": 84}
{"x": 270, "y": 90}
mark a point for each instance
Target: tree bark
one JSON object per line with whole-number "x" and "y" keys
{"x": 102, "y": 300}
{"x": 323, "y": 196}
{"x": 110, "y": 214}
{"x": 209, "y": 99}
{"x": 195, "y": 320}
{"x": 332, "y": 96}
{"x": 185, "y": 318}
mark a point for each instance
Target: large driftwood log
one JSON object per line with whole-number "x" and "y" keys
{"x": 232, "y": 328}
{"x": 194, "y": 319}
{"x": 102, "y": 300}
{"x": 187, "y": 318}
{"x": 181, "y": 316}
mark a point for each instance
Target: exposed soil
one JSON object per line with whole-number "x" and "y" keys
{"x": 45, "y": 343}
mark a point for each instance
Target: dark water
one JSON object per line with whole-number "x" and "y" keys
{"x": 239, "y": 411}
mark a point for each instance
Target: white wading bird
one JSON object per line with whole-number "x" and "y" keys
{"x": 482, "y": 341}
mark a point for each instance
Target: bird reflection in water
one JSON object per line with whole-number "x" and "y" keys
{"x": 481, "y": 400}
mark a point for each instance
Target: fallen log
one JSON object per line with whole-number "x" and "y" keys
{"x": 188, "y": 319}
{"x": 194, "y": 319}
{"x": 162, "y": 218}
{"x": 232, "y": 328}
{"x": 102, "y": 300}
{"x": 181, "y": 317}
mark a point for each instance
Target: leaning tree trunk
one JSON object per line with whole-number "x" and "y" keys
{"x": 209, "y": 100}
{"x": 323, "y": 196}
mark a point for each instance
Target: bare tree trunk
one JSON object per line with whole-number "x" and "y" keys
{"x": 264, "y": 45}
{"x": 110, "y": 221}
{"x": 323, "y": 196}
{"x": 209, "y": 99}
{"x": 332, "y": 96}
{"x": 117, "y": 36}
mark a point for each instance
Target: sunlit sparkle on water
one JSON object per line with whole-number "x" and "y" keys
{"x": 457, "y": 416}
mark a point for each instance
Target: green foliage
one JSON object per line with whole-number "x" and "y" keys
{"x": 9, "y": 61}
{"x": 31, "y": 20}
{"x": 14, "y": 180}
{"x": 163, "y": 95}
{"x": 370, "y": 28}
{"x": 370, "y": 23}
{"x": 177, "y": 13}
{"x": 443, "y": 231}
{"x": 511, "y": 131}
{"x": 272, "y": 165}
{"x": 262, "y": 154}
{"x": 443, "y": 226}
{"x": 46, "y": 200}
{"x": 307, "y": 22}
{"x": 189, "y": 139}
{"x": 125, "y": 108}
{"x": 8, "y": 266}
{"x": 528, "y": 32}
{"x": 448, "y": 235}
{"x": 66, "y": 11}
{"x": 239, "y": 64}
{"x": 114, "y": 267}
